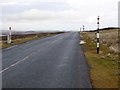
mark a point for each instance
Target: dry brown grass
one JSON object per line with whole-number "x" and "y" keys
{"x": 103, "y": 66}
{"x": 108, "y": 38}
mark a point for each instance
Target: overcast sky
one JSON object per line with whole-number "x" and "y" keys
{"x": 58, "y": 14}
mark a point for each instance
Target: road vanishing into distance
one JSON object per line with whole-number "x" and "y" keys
{"x": 52, "y": 62}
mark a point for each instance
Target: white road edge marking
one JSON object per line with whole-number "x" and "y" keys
{"x": 12, "y": 47}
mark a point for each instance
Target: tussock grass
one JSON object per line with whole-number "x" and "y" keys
{"x": 108, "y": 38}
{"x": 103, "y": 66}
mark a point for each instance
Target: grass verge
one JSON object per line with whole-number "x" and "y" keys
{"x": 103, "y": 66}
{"x": 19, "y": 39}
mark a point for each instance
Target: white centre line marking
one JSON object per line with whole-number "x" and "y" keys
{"x": 12, "y": 47}
{"x": 14, "y": 64}
{"x": 23, "y": 58}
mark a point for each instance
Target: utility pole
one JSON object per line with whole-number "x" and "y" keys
{"x": 9, "y": 36}
{"x": 98, "y": 35}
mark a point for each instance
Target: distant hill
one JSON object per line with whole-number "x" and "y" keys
{"x": 6, "y": 32}
{"x": 108, "y": 28}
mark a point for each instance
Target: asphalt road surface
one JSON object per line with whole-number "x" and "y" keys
{"x": 53, "y": 62}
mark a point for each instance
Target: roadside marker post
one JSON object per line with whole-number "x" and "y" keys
{"x": 98, "y": 45}
{"x": 83, "y": 28}
{"x": 9, "y": 36}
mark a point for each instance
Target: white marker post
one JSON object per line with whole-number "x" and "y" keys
{"x": 9, "y": 36}
{"x": 98, "y": 35}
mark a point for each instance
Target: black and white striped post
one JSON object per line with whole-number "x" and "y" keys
{"x": 83, "y": 28}
{"x": 98, "y": 35}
